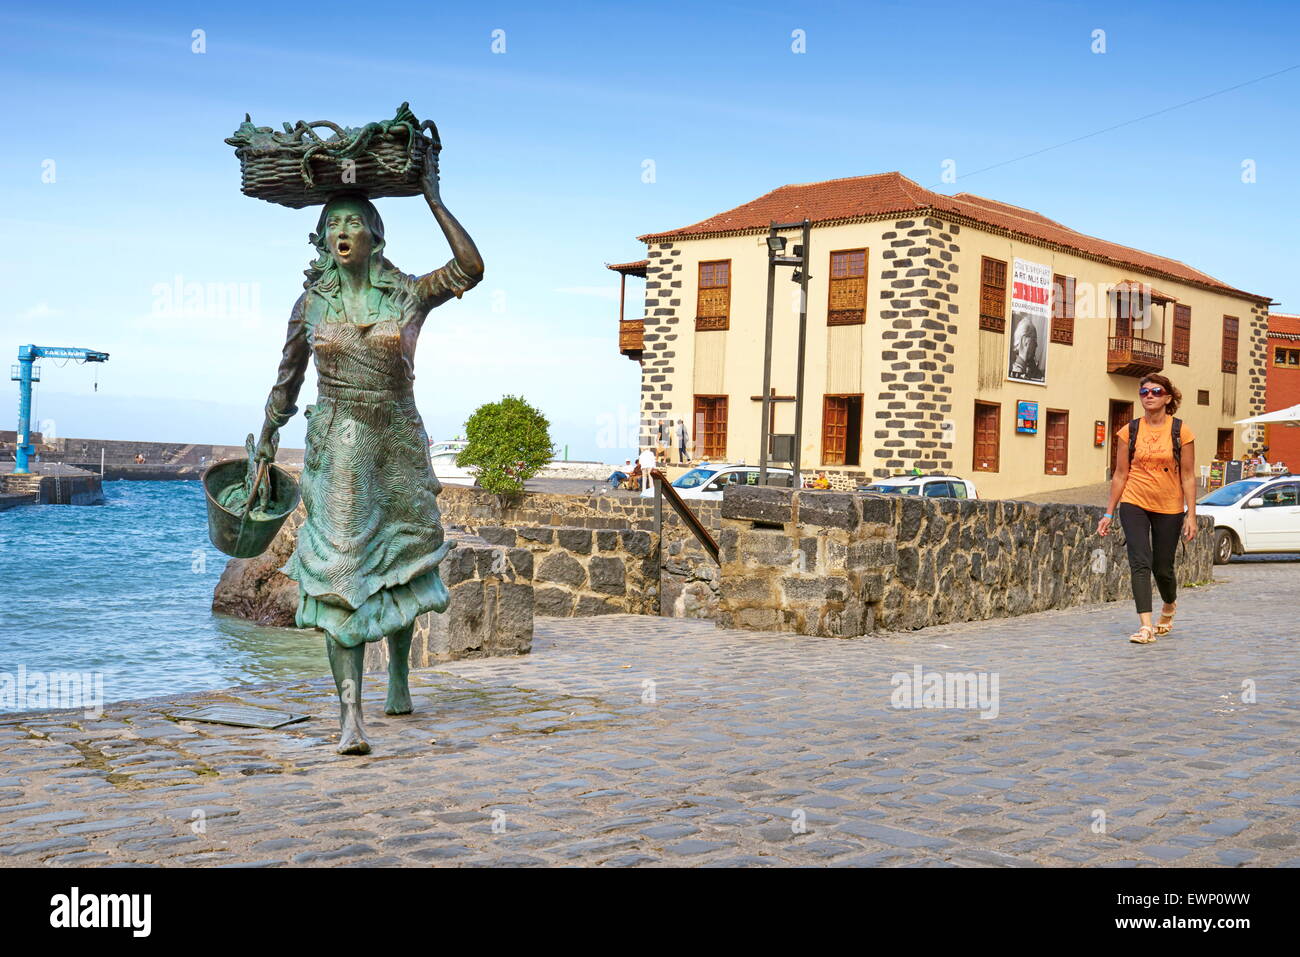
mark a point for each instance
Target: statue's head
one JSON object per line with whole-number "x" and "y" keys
{"x": 349, "y": 229}
{"x": 348, "y": 232}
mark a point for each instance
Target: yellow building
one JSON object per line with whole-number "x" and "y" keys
{"x": 930, "y": 320}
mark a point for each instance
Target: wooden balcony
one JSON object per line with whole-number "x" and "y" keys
{"x": 1129, "y": 355}
{"x": 631, "y": 338}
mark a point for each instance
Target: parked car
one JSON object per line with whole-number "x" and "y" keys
{"x": 929, "y": 486}
{"x": 1254, "y": 515}
{"x": 707, "y": 482}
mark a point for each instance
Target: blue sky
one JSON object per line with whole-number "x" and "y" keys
{"x": 544, "y": 147}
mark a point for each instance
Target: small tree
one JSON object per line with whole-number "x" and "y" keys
{"x": 509, "y": 443}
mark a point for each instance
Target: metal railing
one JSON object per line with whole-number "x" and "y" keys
{"x": 664, "y": 490}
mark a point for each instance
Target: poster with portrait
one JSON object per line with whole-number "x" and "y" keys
{"x": 1031, "y": 303}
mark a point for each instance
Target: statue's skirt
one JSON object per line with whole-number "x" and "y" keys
{"x": 368, "y": 554}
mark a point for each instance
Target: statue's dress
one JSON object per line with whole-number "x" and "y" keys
{"x": 367, "y": 557}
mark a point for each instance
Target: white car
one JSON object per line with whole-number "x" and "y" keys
{"x": 442, "y": 456}
{"x": 1254, "y": 515}
{"x": 707, "y": 482}
{"x": 929, "y": 486}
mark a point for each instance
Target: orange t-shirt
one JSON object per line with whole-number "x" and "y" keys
{"x": 1153, "y": 480}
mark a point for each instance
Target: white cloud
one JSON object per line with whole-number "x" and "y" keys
{"x": 41, "y": 310}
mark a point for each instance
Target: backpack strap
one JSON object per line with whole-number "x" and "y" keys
{"x": 1132, "y": 439}
{"x": 1177, "y": 432}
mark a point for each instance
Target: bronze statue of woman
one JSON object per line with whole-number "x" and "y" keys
{"x": 367, "y": 557}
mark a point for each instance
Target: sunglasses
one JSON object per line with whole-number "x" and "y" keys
{"x": 1154, "y": 390}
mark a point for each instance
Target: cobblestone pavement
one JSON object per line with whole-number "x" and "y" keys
{"x": 747, "y": 749}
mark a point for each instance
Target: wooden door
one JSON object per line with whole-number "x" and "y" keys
{"x": 988, "y": 421}
{"x": 1223, "y": 449}
{"x": 1057, "y": 455}
{"x": 1121, "y": 414}
{"x": 835, "y": 427}
{"x": 711, "y": 426}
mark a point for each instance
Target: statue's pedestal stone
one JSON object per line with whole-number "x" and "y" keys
{"x": 491, "y": 610}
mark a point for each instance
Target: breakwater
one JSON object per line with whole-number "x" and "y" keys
{"x": 50, "y": 484}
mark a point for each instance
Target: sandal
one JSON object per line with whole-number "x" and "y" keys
{"x": 1166, "y": 623}
{"x": 1143, "y": 636}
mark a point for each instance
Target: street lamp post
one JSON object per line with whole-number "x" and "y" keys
{"x": 801, "y": 276}
{"x": 776, "y": 257}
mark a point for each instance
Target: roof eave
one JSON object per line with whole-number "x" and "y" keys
{"x": 682, "y": 234}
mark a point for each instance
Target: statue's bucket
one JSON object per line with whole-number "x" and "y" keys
{"x": 246, "y": 535}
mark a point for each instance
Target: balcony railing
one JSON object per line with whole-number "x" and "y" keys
{"x": 1129, "y": 355}
{"x": 631, "y": 337}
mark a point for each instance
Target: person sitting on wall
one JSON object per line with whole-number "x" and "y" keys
{"x": 821, "y": 481}
{"x": 618, "y": 476}
{"x": 633, "y": 481}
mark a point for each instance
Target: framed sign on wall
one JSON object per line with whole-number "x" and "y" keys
{"x": 1098, "y": 433}
{"x": 1027, "y": 417}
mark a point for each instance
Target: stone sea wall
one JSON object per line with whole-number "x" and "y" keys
{"x": 577, "y": 572}
{"x": 491, "y": 610}
{"x": 688, "y": 579}
{"x": 842, "y": 565}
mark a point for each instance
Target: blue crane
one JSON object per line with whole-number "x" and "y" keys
{"x": 25, "y": 374}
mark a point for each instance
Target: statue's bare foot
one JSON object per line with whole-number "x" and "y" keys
{"x": 399, "y": 699}
{"x": 352, "y": 739}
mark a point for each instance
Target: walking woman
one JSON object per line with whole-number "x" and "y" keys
{"x": 1155, "y": 488}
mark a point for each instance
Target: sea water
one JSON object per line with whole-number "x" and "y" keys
{"x": 124, "y": 590}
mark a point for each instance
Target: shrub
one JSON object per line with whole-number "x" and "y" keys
{"x": 509, "y": 443}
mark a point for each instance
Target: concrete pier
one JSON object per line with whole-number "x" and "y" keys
{"x": 50, "y": 483}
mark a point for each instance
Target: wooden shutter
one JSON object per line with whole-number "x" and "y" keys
{"x": 711, "y": 426}
{"x": 1230, "y": 343}
{"x": 835, "y": 429}
{"x": 1182, "y": 344}
{"x": 713, "y": 300}
{"x": 993, "y": 294}
{"x": 987, "y": 424}
{"x": 847, "y": 302}
{"x": 1063, "y": 299}
{"x": 1123, "y": 318}
{"x": 1057, "y": 458}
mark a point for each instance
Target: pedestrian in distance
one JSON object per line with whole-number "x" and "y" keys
{"x": 1154, "y": 486}
{"x": 647, "y": 462}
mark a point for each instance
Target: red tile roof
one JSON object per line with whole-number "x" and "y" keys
{"x": 860, "y": 197}
{"x": 1283, "y": 325}
{"x": 630, "y": 269}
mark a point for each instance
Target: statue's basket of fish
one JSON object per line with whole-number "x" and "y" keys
{"x": 247, "y": 531}
{"x": 309, "y": 162}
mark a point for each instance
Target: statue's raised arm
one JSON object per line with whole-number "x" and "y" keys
{"x": 464, "y": 270}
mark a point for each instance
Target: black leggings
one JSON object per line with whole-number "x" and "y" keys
{"x": 1152, "y": 539}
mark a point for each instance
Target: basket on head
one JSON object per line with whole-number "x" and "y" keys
{"x": 300, "y": 168}
{"x": 246, "y": 534}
